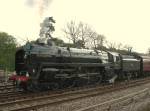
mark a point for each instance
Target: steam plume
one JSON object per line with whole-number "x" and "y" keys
{"x": 41, "y": 5}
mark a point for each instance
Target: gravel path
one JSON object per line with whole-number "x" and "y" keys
{"x": 82, "y": 103}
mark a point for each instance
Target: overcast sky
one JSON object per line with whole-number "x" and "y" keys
{"x": 125, "y": 21}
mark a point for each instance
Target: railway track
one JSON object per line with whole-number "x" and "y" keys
{"x": 17, "y": 95}
{"x": 6, "y": 87}
{"x": 2, "y": 79}
{"x": 34, "y": 101}
{"x": 10, "y": 96}
{"x": 114, "y": 104}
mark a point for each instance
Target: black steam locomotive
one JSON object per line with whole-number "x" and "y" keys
{"x": 41, "y": 66}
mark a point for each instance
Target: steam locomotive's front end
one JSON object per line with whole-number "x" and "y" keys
{"x": 22, "y": 73}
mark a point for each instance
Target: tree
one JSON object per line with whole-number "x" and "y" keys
{"x": 84, "y": 34}
{"x": 128, "y": 48}
{"x": 119, "y": 46}
{"x": 72, "y": 31}
{"x": 97, "y": 40}
{"x": 78, "y": 33}
{"x": 149, "y": 51}
{"x": 80, "y": 44}
{"x": 111, "y": 46}
{"x": 58, "y": 42}
{"x": 100, "y": 41}
{"x": 7, "y": 50}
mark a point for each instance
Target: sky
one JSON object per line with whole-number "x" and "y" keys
{"x": 120, "y": 21}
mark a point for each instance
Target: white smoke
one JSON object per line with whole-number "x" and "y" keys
{"x": 41, "y": 5}
{"x": 30, "y": 3}
{"x": 47, "y": 27}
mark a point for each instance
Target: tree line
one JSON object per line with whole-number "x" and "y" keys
{"x": 83, "y": 35}
{"x": 7, "y": 51}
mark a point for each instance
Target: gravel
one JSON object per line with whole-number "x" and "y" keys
{"x": 85, "y": 102}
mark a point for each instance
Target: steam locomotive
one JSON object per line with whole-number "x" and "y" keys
{"x": 42, "y": 66}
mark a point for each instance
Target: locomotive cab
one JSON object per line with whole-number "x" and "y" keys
{"x": 115, "y": 59}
